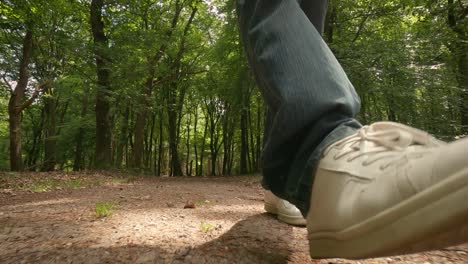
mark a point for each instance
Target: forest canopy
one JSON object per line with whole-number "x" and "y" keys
{"x": 164, "y": 88}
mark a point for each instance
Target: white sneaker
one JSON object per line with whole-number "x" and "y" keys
{"x": 285, "y": 211}
{"x": 388, "y": 189}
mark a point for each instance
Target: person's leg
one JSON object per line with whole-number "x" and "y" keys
{"x": 316, "y": 11}
{"x": 379, "y": 190}
{"x": 310, "y": 97}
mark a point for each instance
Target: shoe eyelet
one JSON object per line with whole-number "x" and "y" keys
{"x": 383, "y": 167}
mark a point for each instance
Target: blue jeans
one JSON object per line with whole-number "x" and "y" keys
{"x": 311, "y": 102}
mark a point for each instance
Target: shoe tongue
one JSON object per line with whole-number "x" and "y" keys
{"x": 418, "y": 136}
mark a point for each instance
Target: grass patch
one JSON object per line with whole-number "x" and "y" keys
{"x": 40, "y": 187}
{"x": 130, "y": 179}
{"x": 75, "y": 183}
{"x": 50, "y": 184}
{"x": 104, "y": 209}
{"x": 206, "y": 227}
{"x": 204, "y": 203}
{"x": 43, "y": 186}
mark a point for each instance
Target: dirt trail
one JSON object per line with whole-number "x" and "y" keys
{"x": 150, "y": 225}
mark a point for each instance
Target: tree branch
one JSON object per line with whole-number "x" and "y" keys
{"x": 7, "y": 84}
{"x": 463, "y": 11}
{"x": 33, "y": 97}
{"x": 361, "y": 26}
{"x": 174, "y": 76}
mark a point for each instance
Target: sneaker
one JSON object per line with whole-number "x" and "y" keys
{"x": 285, "y": 211}
{"x": 387, "y": 190}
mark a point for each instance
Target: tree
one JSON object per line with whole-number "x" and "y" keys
{"x": 456, "y": 19}
{"x": 103, "y": 157}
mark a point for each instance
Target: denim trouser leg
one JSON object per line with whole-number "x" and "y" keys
{"x": 311, "y": 100}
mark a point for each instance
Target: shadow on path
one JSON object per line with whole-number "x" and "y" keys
{"x": 257, "y": 239}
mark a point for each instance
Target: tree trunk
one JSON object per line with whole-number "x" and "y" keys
{"x": 33, "y": 154}
{"x": 140, "y": 124}
{"x": 253, "y": 152}
{"x": 175, "y": 99}
{"x": 15, "y": 106}
{"x": 195, "y": 139}
{"x": 329, "y": 22}
{"x": 78, "y": 163}
{"x": 462, "y": 78}
{"x": 103, "y": 157}
{"x": 16, "y": 163}
{"x": 244, "y": 142}
{"x": 122, "y": 139}
{"x": 160, "y": 144}
{"x": 259, "y": 135}
{"x": 202, "y": 149}
{"x": 176, "y": 169}
{"x": 50, "y": 131}
{"x": 456, "y": 16}
{"x": 149, "y": 143}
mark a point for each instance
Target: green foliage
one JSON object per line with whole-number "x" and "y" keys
{"x": 396, "y": 54}
{"x": 104, "y": 209}
{"x": 191, "y": 84}
{"x": 4, "y": 138}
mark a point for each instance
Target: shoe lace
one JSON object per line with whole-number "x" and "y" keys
{"x": 388, "y": 145}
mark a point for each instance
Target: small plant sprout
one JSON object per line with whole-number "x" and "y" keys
{"x": 206, "y": 227}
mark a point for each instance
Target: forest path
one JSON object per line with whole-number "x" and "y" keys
{"x": 51, "y": 218}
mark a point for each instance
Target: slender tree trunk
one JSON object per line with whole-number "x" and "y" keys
{"x": 103, "y": 157}
{"x": 202, "y": 149}
{"x": 139, "y": 132}
{"x": 195, "y": 140}
{"x": 259, "y": 135}
{"x": 160, "y": 147}
{"x": 330, "y": 22}
{"x": 462, "y": 78}
{"x": 176, "y": 169}
{"x": 123, "y": 139}
{"x": 79, "y": 162}
{"x": 456, "y": 19}
{"x": 244, "y": 142}
{"x": 213, "y": 154}
{"x": 213, "y": 120}
{"x": 252, "y": 143}
{"x": 33, "y": 154}
{"x": 149, "y": 143}
{"x": 225, "y": 146}
{"x": 188, "y": 169}
{"x": 50, "y": 131}
{"x": 231, "y": 159}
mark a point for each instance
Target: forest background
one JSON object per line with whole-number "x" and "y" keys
{"x": 163, "y": 87}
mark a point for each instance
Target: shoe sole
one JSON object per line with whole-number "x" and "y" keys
{"x": 434, "y": 218}
{"x": 288, "y": 219}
